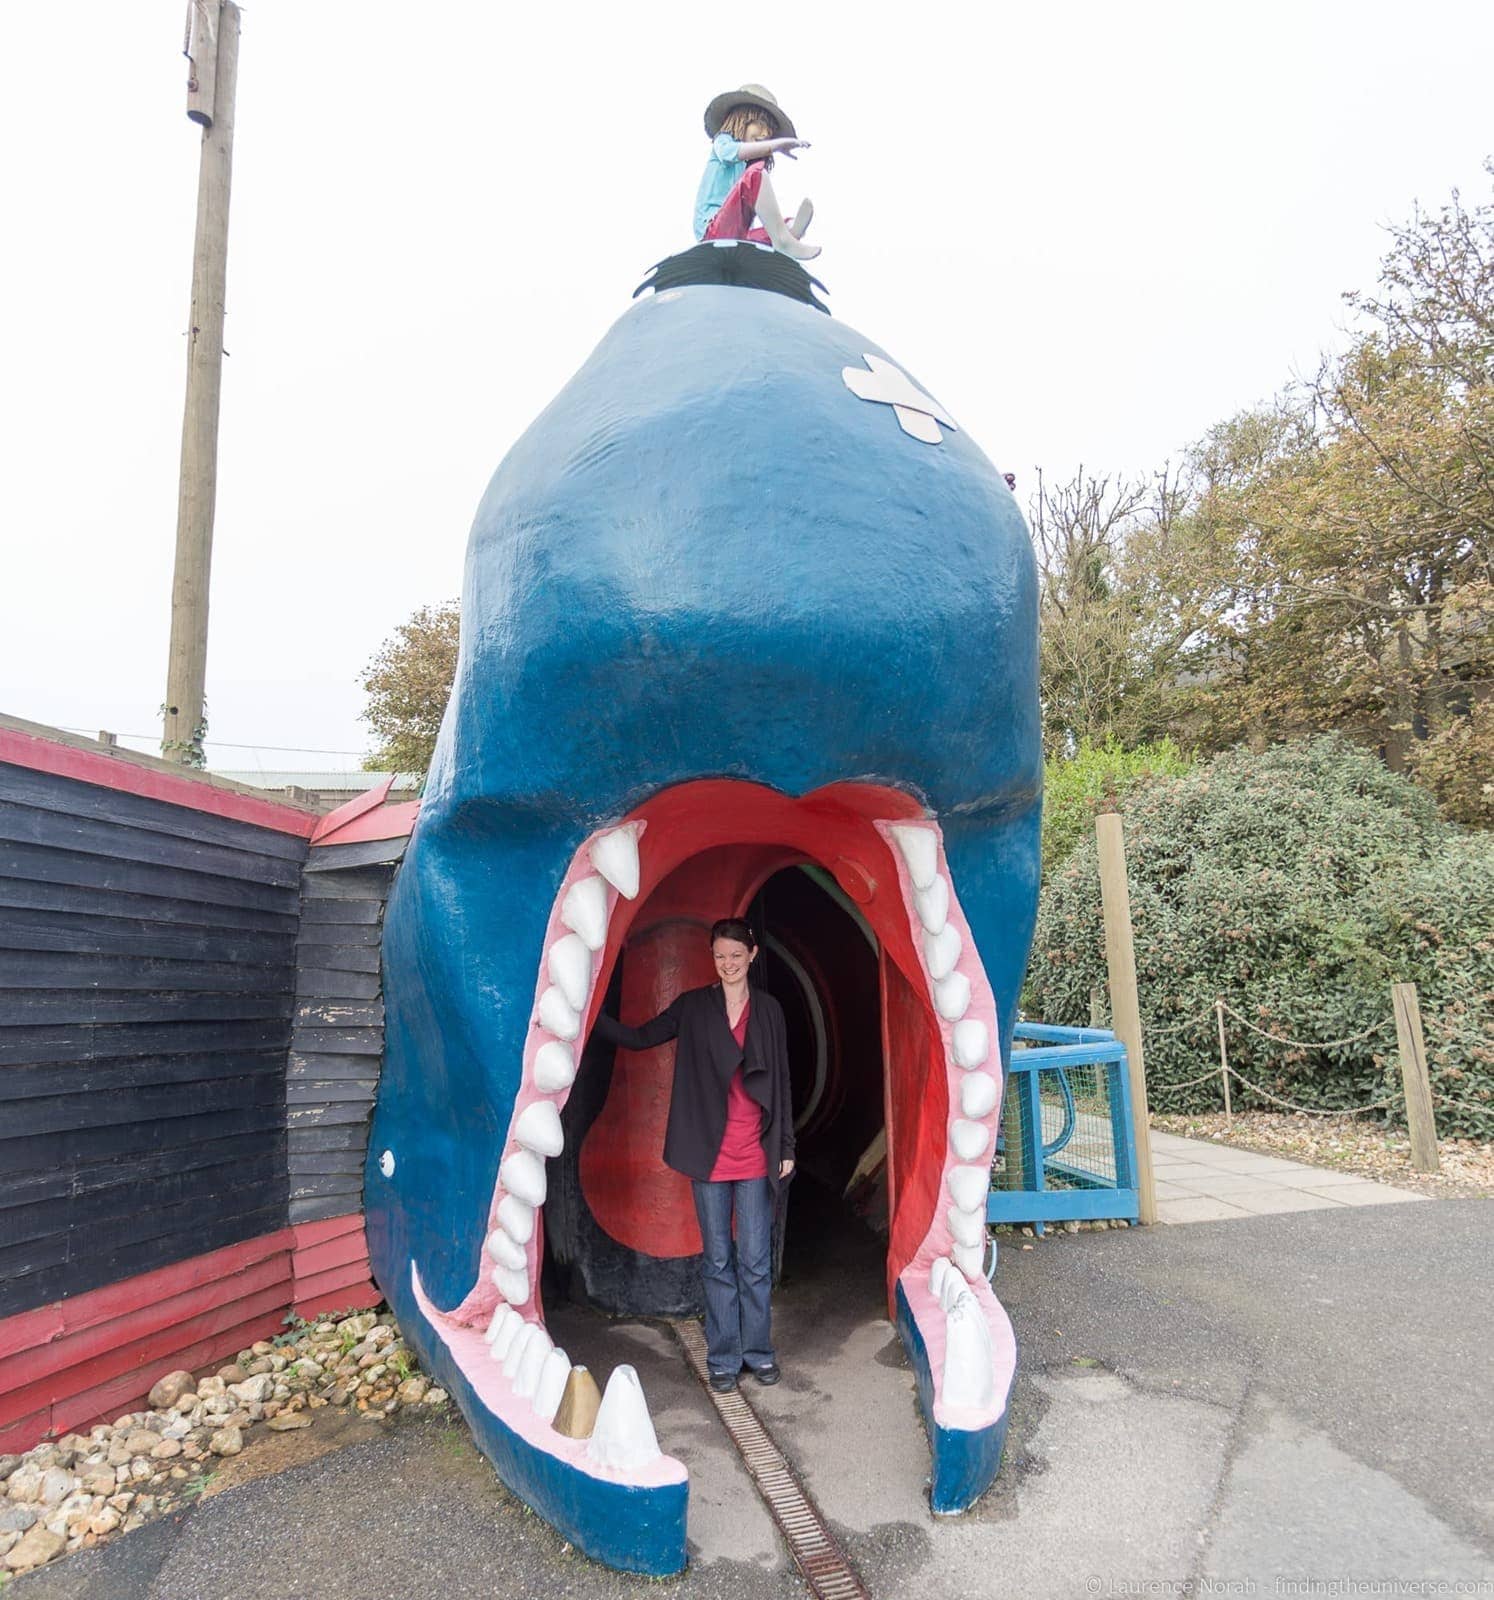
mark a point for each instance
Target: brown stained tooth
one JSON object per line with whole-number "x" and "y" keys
{"x": 577, "y": 1413}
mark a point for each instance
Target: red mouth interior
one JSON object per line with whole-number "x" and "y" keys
{"x": 709, "y": 849}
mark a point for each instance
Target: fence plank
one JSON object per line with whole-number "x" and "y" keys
{"x": 1125, "y": 1008}
{"x": 1420, "y": 1118}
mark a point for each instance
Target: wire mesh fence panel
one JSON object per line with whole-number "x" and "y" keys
{"x": 1064, "y": 1150}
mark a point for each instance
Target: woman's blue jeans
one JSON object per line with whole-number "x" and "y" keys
{"x": 738, "y": 1280}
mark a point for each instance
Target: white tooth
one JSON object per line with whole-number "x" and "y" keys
{"x": 938, "y": 1272}
{"x": 569, "y": 962}
{"x": 971, "y": 1260}
{"x": 977, "y": 1094}
{"x": 615, "y": 856}
{"x": 516, "y": 1217}
{"x": 972, "y": 1044}
{"x": 969, "y": 1379}
{"x": 951, "y": 1289}
{"x": 513, "y": 1286}
{"x": 500, "y": 1316}
{"x": 969, "y": 1186}
{"x": 623, "y": 1437}
{"x": 523, "y": 1174}
{"x": 952, "y": 996}
{"x": 966, "y": 1227}
{"x": 921, "y": 851}
{"x": 516, "y": 1350}
{"x": 505, "y": 1252}
{"x": 932, "y": 904}
{"x": 507, "y": 1334}
{"x": 554, "y": 1067}
{"x": 526, "y": 1379}
{"x": 550, "y": 1389}
{"x": 584, "y": 910}
{"x": 967, "y": 1139}
{"x": 538, "y": 1128}
{"x": 558, "y": 1015}
{"x": 941, "y": 950}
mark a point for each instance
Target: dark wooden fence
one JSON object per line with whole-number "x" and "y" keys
{"x": 147, "y": 972}
{"x": 338, "y": 1042}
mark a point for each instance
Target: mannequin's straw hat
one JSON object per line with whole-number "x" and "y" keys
{"x": 750, "y": 94}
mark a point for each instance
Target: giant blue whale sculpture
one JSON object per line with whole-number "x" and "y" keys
{"x": 737, "y": 601}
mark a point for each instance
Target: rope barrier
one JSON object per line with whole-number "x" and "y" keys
{"x": 1179, "y": 1027}
{"x": 1188, "y": 1083}
{"x": 1225, "y": 1070}
{"x": 1304, "y": 1044}
{"x": 1468, "y": 1105}
{"x": 1312, "y": 1111}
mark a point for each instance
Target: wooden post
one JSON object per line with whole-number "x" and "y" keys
{"x": 1420, "y": 1118}
{"x": 1223, "y": 1057}
{"x": 1125, "y": 1007}
{"x": 213, "y": 44}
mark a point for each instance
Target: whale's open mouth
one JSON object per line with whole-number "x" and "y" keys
{"x": 942, "y": 1096}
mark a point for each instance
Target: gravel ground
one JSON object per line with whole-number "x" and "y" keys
{"x": 1347, "y": 1144}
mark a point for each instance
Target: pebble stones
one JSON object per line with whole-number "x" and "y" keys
{"x": 68, "y": 1494}
{"x": 170, "y": 1390}
{"x": 35, "y": 1548}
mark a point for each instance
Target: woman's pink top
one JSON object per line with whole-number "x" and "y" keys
{"x": 741, "y": 1154}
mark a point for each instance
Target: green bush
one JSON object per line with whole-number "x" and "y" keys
{"x": 1297, "y": 885}
{"x": 1075, "y": 787}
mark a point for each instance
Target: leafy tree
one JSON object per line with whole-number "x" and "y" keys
{"x": 408, "y": 683}
{"x": 1113, "y": 640}
{"x": 1094, "y": 778}
{"x": 1352, "y": 528}
{"x": 1297, "y": 885}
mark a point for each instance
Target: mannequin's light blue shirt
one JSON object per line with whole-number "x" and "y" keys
{"x": 722, "y": 171}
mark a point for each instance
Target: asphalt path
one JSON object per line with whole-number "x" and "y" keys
{"x": 1290, "y": 1404}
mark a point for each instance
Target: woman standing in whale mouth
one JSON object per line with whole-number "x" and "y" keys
{"x": 731, "y": 1132}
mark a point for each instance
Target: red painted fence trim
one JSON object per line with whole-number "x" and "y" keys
{"x": 144, "y": 777}
{"x": 89, "y": 1358}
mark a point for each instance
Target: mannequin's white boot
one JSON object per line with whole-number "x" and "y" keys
{"x": 784, "y": 238}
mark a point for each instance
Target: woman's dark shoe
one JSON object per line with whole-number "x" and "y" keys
{"x": 767, "y": 1374}
{"x": 724, "y": 1382}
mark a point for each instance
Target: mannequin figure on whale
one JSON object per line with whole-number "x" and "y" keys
{"x": 747, "y": 129}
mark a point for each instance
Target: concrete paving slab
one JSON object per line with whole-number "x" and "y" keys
{"x": 1221, "y": 1161}
{"x": 1171, "y": 1141}
{"x": 1320, "y": 1178}
{"x": 1227, "y": 1155}
{"x": 1225, "y": 1185}
{"x": 1198, "y": 1208}
{"x": 1268, "y": 1202}
{"x": 1183, "y": 1171}
{"x": 1372, "y": 1194}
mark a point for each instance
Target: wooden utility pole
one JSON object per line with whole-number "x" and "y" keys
{"x": 1421, "y": 1120}
{"x": 1125, "y": 1007}
{"x": 213, "y": 48}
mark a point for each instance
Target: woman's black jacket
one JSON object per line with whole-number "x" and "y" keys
{"x": 706, "y": 1058}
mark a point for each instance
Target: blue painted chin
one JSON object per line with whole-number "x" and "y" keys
{"x": 967, "y": 1458}
{"x": 707, "y": 558}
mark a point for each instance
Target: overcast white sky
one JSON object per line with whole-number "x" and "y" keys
{"x": 1091, "y": 230}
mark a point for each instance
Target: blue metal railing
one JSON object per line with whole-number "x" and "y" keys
{"x": 1083, "y": 1192}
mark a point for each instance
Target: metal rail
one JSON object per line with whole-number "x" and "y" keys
{"x": 820, "y": 1560}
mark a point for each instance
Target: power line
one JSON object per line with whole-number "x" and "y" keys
{"x": 225, "y": 744}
